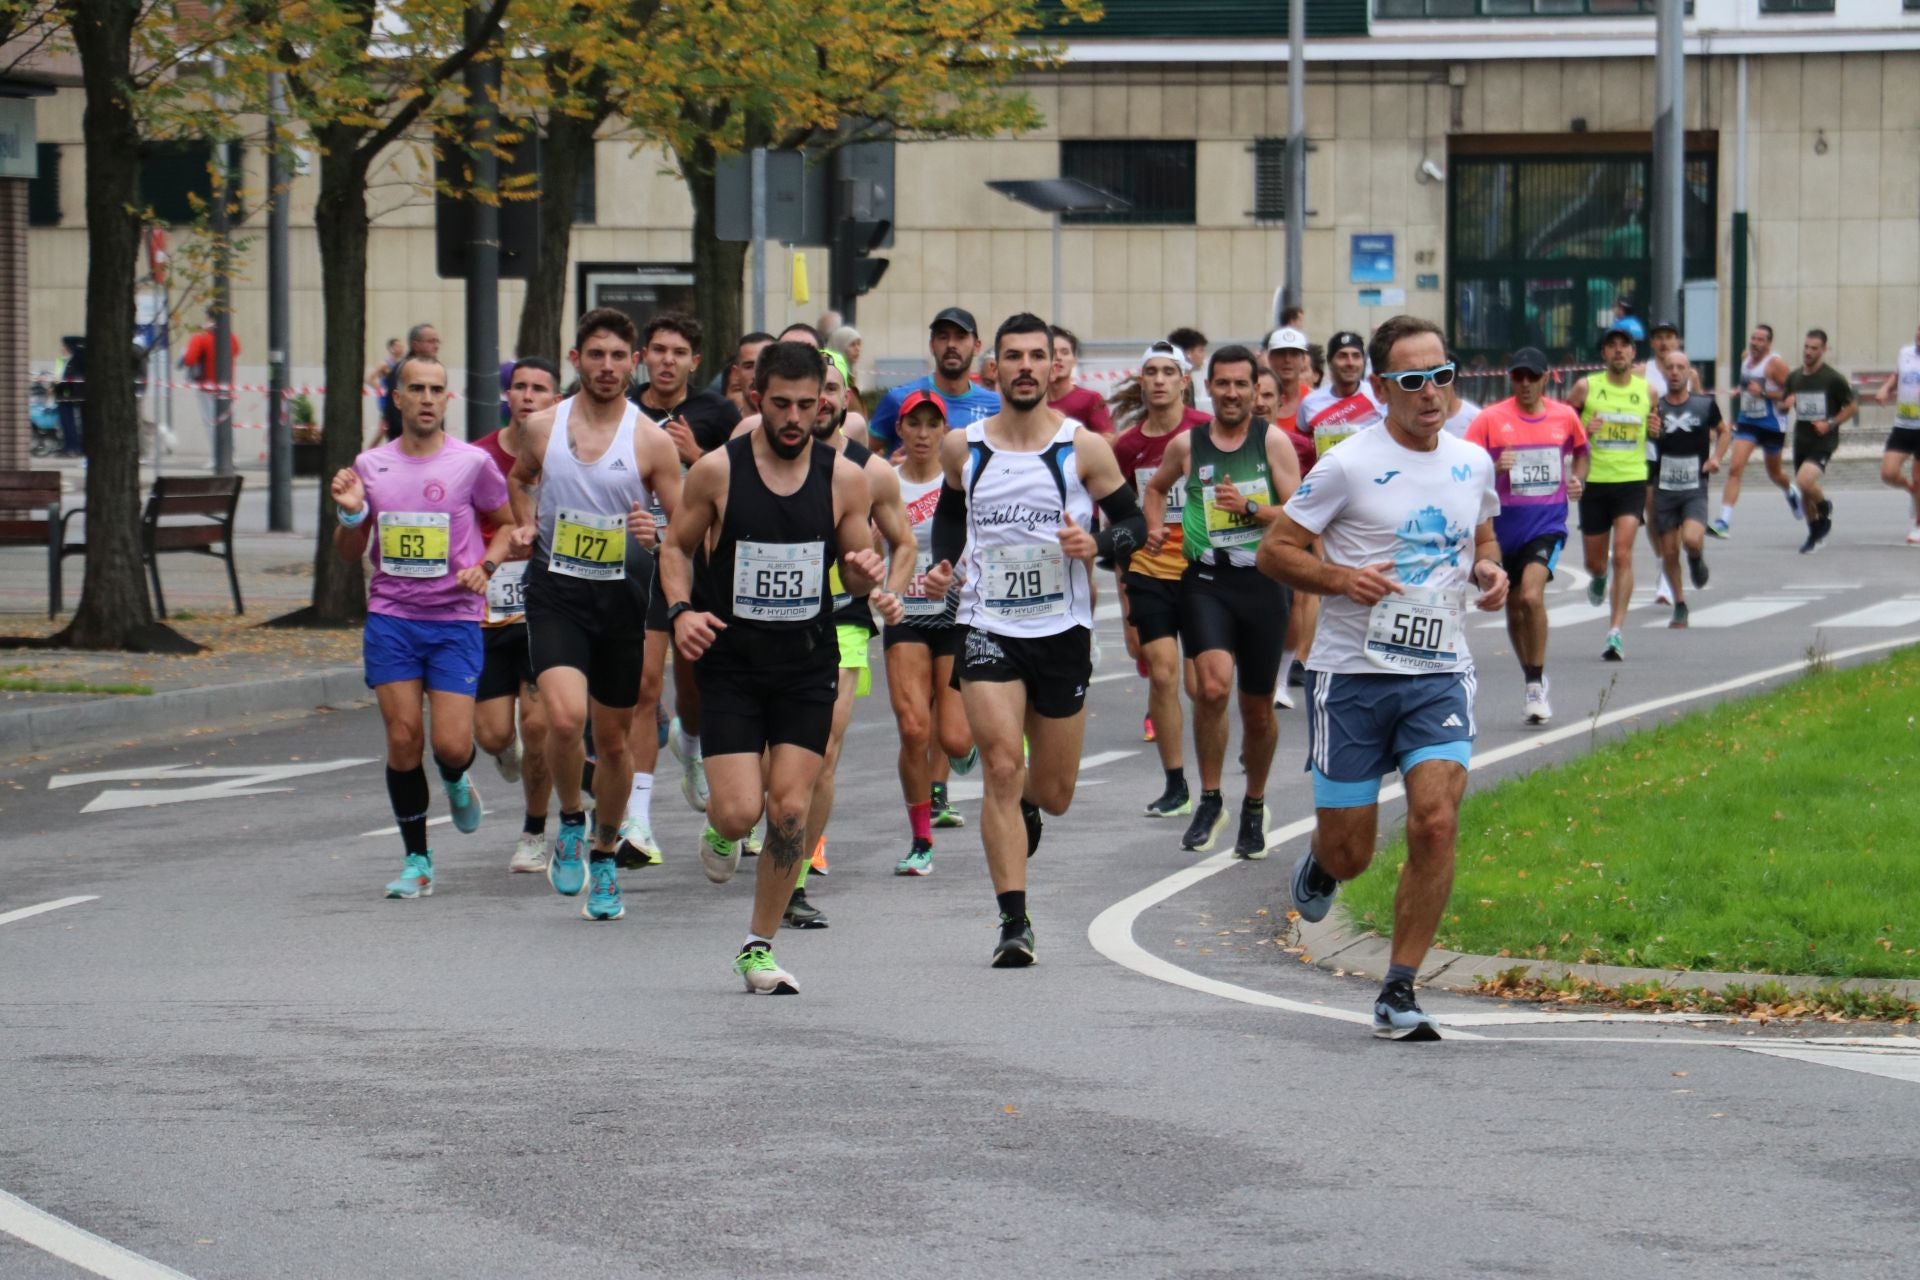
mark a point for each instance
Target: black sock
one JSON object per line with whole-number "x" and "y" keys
{"x": 407, "y": 789}
{"x": 1210, "y": 795}
{"x": 1013, "y": 905}
{"x": 1254, "y": 804}
{"x": 573, "y": 819}
{"x": 452, "y": 772}
{"x": 1533, "y": 674}
{"x": 600, "y": 855}
{"x": 1400, "y": 973}
{"x": 536, "y": 824}
{"x": 1176, "y": 779}
{"x": 586, "y": 777}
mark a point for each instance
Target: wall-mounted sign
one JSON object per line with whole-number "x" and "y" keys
{"x": 1372, "y": 260}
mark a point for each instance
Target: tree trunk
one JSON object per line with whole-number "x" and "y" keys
{"x": 543, "y": 322}
{"x": 341, "y": 222}
{"x": 114, "y": 612}
{"x": 719, "y": 266}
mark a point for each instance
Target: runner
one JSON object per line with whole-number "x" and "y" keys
{"x": 1664, "y": 337}
{"x": 427, "y": 494}
{"x": 1063, "y": 397}
{"x": 582, "y": 486}
{"x": 1460, "y": 411}
{"x": 921, "y": 647}
{"x": 506, "y": 678}
{"x": 1235, "y": 471}
{"x": 954, "y": 340}
{"x": 1759, "y": 424}
{"x": 779, "y": 505}
{"x": 1287, "y": 357}
{"x": 1539, "y": 452}
{"x": 1405, "y": 513}
{"x": 1902, "y": 390}
{"x": 1823, "y": 401}
{"x": 1693, "y": 441}
{"x": 1346, "y": 405}
{"x": 1150, "y": 581}
{"x": 1019, "y": 499}
{"x": 1618, "y": 414}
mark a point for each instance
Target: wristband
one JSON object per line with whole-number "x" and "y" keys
{"x": 355, "y": 520}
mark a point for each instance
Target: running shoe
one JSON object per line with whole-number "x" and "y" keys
{"x": 1913, "y": 536}
{"x": 1174, "y": 802}
{"x": 750, "y": 844}
{"x": 1030, "y": 814}
{"x": 1535, "y": 709}
{"x": 1616, "y": 650}
{"x": 1812, "y": 544}
{"x": 660, "y": 721}
{"x": 416, "y": 877}
{"x": 1209, "y": 819}
{"x": 1679, "y": 622}
{"x": 963, "y": 765}
{"x": 465, "y": 799}
{"x": 1252, "y": 843}
{"x": 944, "y": 814}
{"x": 1663, "y": 594}
{"x": 567, "y": 869}
{"x": 603, "y": 902}
{"x": 1015, "y": 948}
{"x": 1596, "y": 588}
{"x": 1297, "y": 678}
{"x": 818, "y": 862}
{"x": 918, "y": 862}
{"x": 1146, "y": 729}
{"x": 719, "y": 856}
{"x": 693, "y": 771}
{"x": 637, "y": 847}
{"x": 1281, "y": 698}
{"x": 801, "y": 914}
{"x": 508, "y": 761}
{"x": 763, "y": 973}
{"x": 530, "y": 854}
{"x": 1720, "y": 529}
{"x": 1313, "y": 889}
{"x": 1397, "y": 1017}
{"x": 1793, "y": 502}
{"x": 1697, "y": 571}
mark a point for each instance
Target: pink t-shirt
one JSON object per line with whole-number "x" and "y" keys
{"x": 460, "y": 482}
{"x": 1533, "y": 493}
{"x": 1087, "y": 407}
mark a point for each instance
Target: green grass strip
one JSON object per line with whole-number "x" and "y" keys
{"x": 17, "y": 684}
{"x": 1775, "y": 834}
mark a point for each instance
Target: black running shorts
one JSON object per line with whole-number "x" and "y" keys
{"x": 1242, "y": 611}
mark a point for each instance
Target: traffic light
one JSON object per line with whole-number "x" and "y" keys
{"x": 855, "y": 270}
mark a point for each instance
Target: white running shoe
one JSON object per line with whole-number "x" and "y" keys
{"x": 1913, "y": 536}
{"x": 1281, "y": 697}
{"x": 530, "y": 854}
{"x": 719, "y": 856}
{"x": 1536, "y": 709}
{"x": 508, "y": 761}
{"x": 637, "y": 833}
{"x": 693, "y": 770}
{"x": 1663, "y": 594}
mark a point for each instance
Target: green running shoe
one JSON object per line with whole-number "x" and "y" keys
{"x": 918, "y": 862}
{"x": 763, "y": 973}
{"x": 416, "y": 878}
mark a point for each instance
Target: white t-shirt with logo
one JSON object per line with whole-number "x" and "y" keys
{"x": 1373, "y": 500}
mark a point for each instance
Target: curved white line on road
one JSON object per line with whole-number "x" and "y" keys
{"x": 43, "y": 908}
{"x": 1111, "y": 932}
{"x": 74, "y": 1244}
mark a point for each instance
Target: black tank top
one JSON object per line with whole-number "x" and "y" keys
{"x": 777, "y": 525}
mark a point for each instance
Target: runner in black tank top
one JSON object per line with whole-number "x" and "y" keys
{"x": 779, "y": 508}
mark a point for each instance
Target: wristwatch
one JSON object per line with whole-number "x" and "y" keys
{"x": 488, "y": 566}
{"x": 1253, "y": 509}
{"x": 675, "y": 610}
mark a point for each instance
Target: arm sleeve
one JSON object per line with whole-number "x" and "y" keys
{"x": 950, "y": 525}
{"x": 1126, "y": 527}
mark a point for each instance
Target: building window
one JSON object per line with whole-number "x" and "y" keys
{"x": 1802, "y": 6}
{"x": 1269, "y": 179}
{"x": 176, "y": 180}
{"x": 1525, "y": 8}
{"x": 1156, "y": 179}
{"x": 43, "y": 193}
{"x": 586, "y": 194}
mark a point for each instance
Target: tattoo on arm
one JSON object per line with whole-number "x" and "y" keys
{"x": 784, "y": 835}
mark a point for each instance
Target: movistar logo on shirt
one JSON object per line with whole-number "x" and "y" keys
{"x": 1463, "y": 472}
{"x": 1385, "y": 478}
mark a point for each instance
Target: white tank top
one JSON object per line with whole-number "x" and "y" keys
{"x": 921, "y": 498}
{"x": 1759, "y": 411}
{"x": 597, "y": 492}
{"x": 1018, "y": 580}
{"x": 1906, "y": 405}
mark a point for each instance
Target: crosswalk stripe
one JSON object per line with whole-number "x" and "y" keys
{"x": 1736, "y": 613}
{"x": 1888, "y": 613}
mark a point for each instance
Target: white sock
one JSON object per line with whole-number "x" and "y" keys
{"x": 689, "y": 745}
{"x": 1286, "y": 664}
{"x": 1726, "y": 514}
{"x": 752, "y": 938}
{"x": 640, "y": 802}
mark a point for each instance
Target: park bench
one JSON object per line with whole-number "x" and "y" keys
{"x": 30, "y": 517}
{"x": 184, "y": 513}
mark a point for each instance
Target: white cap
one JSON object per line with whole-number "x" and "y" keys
{"x": 1287, "y": 339}
{"x": 1164, "y": 350}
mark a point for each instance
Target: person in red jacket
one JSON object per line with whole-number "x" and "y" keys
{"x": 198, "y": 359}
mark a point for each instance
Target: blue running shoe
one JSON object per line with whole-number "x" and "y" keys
{"x": 1397, "y": 1017}
{"x": 416, "y": 879}
{"x": 1310, "y": 901}
{"x": 1596, "y": 589}
{"x": 567, "y": 869}
{"x": 604, "y": 902}
{"x": 963, "y": 765}
{"x": 465, "y": 799}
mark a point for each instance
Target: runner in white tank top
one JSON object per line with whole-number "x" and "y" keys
{"x": 1021, "y": 488}
{"x": 1902, "y": 390}
{"x": 1757, "y": 423}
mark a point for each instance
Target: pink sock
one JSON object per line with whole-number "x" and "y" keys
{"x": 920, "y": 817}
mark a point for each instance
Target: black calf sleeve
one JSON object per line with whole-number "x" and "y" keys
{"x": 407, "y": 789}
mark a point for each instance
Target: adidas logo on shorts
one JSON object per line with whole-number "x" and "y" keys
{"x": 1452, "y": 722}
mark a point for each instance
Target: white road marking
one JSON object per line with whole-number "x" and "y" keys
{"x": 974, "y": 788}
{"x": 1894, "y": 1066}
{"x": 1115, "y": 675}
{"x": 1736, "y": 613}
{"x": 23, "y": 913}
{"x": 1572, "y": 615}
{"x": 240, "y": 781}
{"x": 1903, "y": 612}
{"x": 80, "y": 1247}
{"x": 1111, "y": 932}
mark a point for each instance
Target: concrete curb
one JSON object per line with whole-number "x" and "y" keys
{"x": 1331, "y": 945}
{"x": 78, "y": 723}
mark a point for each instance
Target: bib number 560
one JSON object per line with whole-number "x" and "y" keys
{"x": 1419, "y": 631}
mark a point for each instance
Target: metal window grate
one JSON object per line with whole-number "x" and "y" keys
{"x": 43, "y": 193}
{"x": 1155, "y": 178}
{"x": 1269, "y": 179}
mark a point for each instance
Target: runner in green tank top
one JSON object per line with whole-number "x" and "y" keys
{"x": 1618, "y": 413}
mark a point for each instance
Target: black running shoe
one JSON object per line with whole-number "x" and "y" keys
{"x": 1396, "y": 1016}
{"x": 1015, "y": 948}
{"x": 1812, "y": 544}
{"x": 1209, "y": 819}
{"x": 1252, "y": 844}
{"x": 1030, "y": 814}
{"x": 1173, "y": 802}
{"x": 802, "y": 914}
{"x": 1697, "y": 570}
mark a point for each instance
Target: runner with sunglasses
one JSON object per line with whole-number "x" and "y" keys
{"x": 1406, "y": 516}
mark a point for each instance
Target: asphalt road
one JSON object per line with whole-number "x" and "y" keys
{"x": 236, "y": 1059}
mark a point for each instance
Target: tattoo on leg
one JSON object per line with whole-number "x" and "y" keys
{"x": 607, "y": 834}
{"x": 783, "y": 842}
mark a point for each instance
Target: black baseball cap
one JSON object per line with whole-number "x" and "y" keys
{"x": 1665, "y": 326}
{"x": 959, "y": 317}
{"x": 1346, "y": 338}
{"x": 1618, "y": 331}
{"x": 1531, "y": 359}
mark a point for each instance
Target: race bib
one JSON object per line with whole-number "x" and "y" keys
{"x": 586, "y": 545}
{"x": 1536, "y": 473}
{"x": 1023, "y": 582}
{"x": 1617, "y": 430}
{"x": 916, "y": 601}
{"x": 1755, "y": 407}
{"x": 413, "y": 544}
{"x": 1907, "y": 411}
{"x": 1810, "y": 406}
{"x": 1679, "y": 472}
{"x": 1417, "y": 631}
{"x": 1176, "y": 497}
{"x": 507, "y": 593}
{"x": 778, "y": 581}
{"x": 1329, "y": 434}
{"x": 1234, "y": 528}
